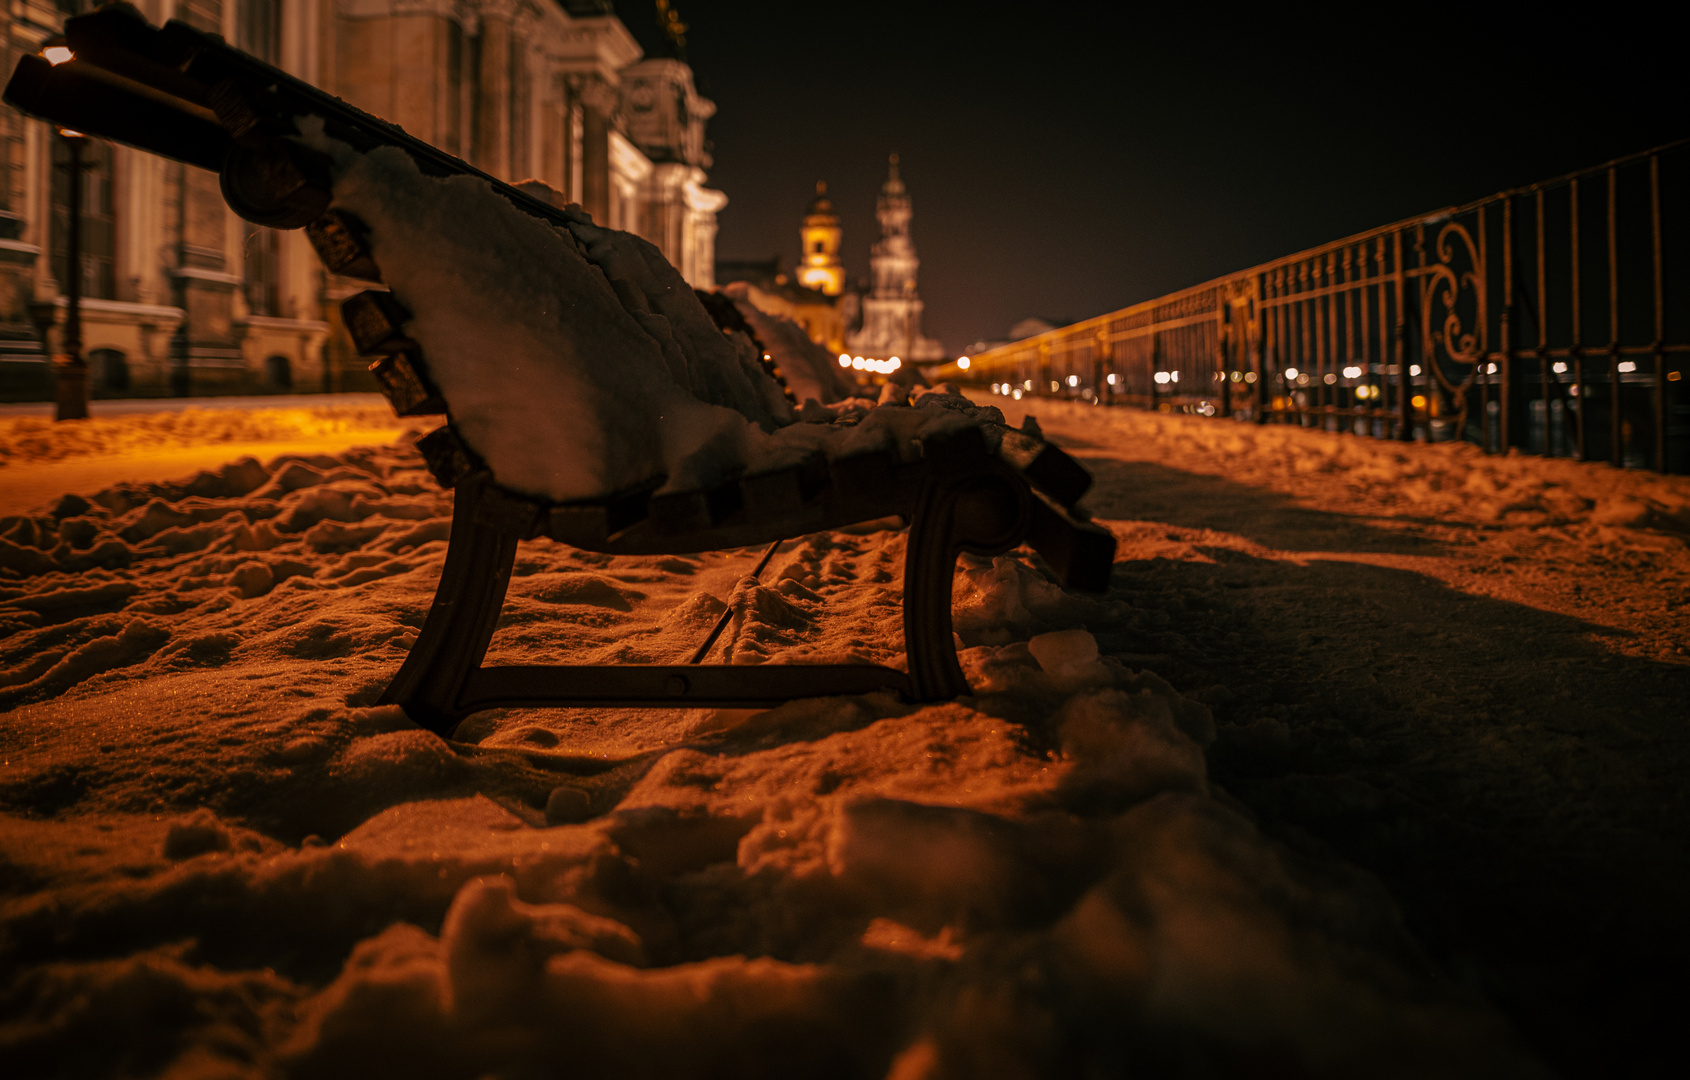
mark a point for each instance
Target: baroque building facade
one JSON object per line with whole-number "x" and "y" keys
{"x": 181, "y": 296}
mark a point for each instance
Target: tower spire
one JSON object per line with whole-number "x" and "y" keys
{"x": 891, "y": 323}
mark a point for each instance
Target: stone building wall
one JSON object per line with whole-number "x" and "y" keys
{"x": 184, "y": 297}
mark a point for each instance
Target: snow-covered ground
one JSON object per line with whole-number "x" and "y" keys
{"x": 1366, "y": 765}
{"x": 148, "y": 441}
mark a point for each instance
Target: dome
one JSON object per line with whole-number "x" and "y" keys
{"x": 821, "y": 204}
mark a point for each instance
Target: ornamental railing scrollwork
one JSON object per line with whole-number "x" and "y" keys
{"x": 1453, "y": 311}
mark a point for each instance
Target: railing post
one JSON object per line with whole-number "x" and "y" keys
{"x": 1543, "y": 333}
{"x": 1221, "y": 301}
{"x": 1097, "y": 362}
{"x": 1575, "y": 352}
{"x": 1505, "y": 340}
{"x": 1660, "y": 395}
{"x": 1616, "y": 422}
{"x": 1399, "y": 331}
{"x": 1154, "y": 348}
{"x": 1257, "y": 336}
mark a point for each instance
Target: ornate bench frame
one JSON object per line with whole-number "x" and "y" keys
{"x": 983, "y": 489}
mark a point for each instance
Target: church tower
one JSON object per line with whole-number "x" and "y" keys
{"x": 892, "y": 309}
{"x": 819, "y": 268}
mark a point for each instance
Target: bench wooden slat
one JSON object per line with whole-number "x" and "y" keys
{"x": 1081, "y": 553}
{"x": 341, "y": 240}
{"x": 376, "y": 321}
{"x": 1045, "y": 466}
{"x": 695, "y": 511}
{"x": 448, "y": 459}
{"x": 405, "y": 386}
{"x": 592, "y": 525}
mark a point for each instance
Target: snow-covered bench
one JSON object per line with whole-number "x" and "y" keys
{"x": 589, "y": 396}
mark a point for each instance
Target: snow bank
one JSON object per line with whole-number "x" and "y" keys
{"x": 810, "y": 370}
{"x": 1454, "y": 480}
{"x": 221, "y": 858}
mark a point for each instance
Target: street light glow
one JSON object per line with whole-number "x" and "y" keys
{"x": 57, "y": 54}
{"x": 963, "y": 363}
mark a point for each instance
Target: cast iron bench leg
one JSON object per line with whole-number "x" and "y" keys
{"x": 981, "y": 508}
{"x": 460, "y": 625}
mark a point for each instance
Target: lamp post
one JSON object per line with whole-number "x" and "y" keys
{"x": 70, "y": 370}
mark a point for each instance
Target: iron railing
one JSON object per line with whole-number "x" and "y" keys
{"x": 1551, "y": 318}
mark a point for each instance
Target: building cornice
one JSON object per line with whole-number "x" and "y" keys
{"x": 16, "y": 251}
{"x": 210, "y": 277}
{"x": 274, "y": 322}
{"x": 626, "y": 158}
{"x": 126, "y": 309}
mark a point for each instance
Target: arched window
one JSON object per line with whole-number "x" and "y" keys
{"x": 110, "y": 369}
{"x": 278, "y": 373}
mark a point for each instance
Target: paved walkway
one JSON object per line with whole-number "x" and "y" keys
{"x": 31, "y": 487}
{"x": 122, "y": 406}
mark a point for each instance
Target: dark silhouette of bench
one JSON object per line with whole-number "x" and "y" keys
{"x": 979, "y": 488}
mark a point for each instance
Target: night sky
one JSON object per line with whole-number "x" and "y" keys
{"x": 1064, "y": 161}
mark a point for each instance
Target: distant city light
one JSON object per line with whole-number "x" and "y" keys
{"x": 844, "y": 359}
{"x": 1074, "y": 380}
{"x": 1250, "y": 376}
{"x": 1290, "y": 373}
{"x": 1626, "y": 365}
{"x": 1352, "y": 372}
{"x": 1055, "y": 386}
{"x": 1330, "y": 378}
{"x": 1414, "y": 369}
{"x": 1162, "y": 377}
{"x": 1490, "y": 369}
{"x": 1560, "y": 368}
{"x": 963, "y": 362}
{"x": 1417, "y": 401}
{"x": 1028, "y": 385}
{"x": 57, "y": 54}
{"x": 1174, "y": 375}
{"x": 1111, "y": 378}
{"x": 1016, "y": 395}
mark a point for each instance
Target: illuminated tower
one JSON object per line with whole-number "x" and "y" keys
{"x": 892, "y": 309}
{"x": 820, "y": 268}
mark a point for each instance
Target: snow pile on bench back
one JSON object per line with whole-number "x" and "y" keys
{"x": 575, "y": 361}
{"x": 809, "y": 369}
